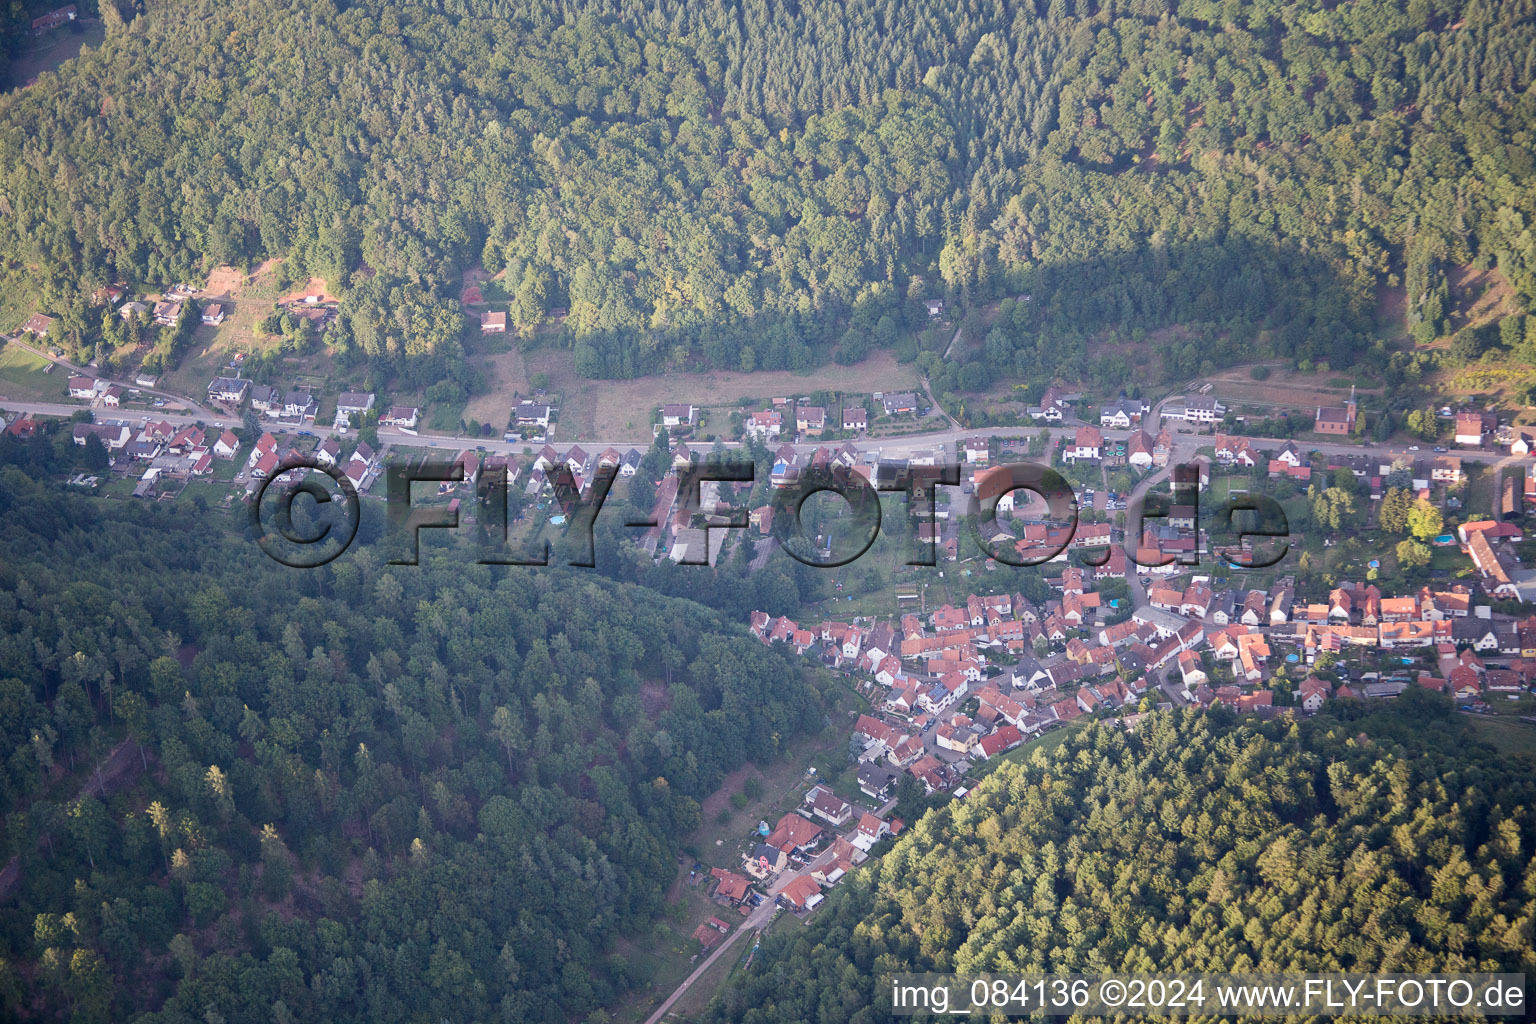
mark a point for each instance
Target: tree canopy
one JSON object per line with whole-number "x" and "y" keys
{"x": 373, "y": 793}
{"x": 1389, "y": 841}
{"x": 759, "y": 184}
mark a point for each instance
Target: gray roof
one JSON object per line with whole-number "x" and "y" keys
{"x": 875, "y": 776}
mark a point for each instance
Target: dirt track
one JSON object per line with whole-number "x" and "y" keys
{"x": 114, "y": 773}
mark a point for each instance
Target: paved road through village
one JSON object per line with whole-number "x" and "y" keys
{"x": 1184, "y": 444}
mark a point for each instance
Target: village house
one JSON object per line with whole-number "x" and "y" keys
{"x": 266, "y": 401}
{"x": 229, "y": 390}
{"x": 795, "y": 834}
{"x": 1199, "y": 409}
{"x": 764, "y": 861}
{"x": 1086, "y": 445}
{"x": 113, "y": 436}
{"x": 1446, "y": 469}
{"x": 677, "y": 415}
{"x": 530, "y": 414}
{"x": 168, "y": 312}
{"x": 300, "y": 405}
{"x": 730, "y": 887}
{"x": 955, "y": 736}
{"x": 1471, "y": 428}
{"x": 766, "y": 424}
{"x": 828, "y": 806}
{"x": 405, "y": 416}
{"x": 1122, "y": 415}
{"x": 1053, "y": 406}
{"x": 1491, "y": 567}
{"x": 801, "y": 894}
{"x": 349, "y": 404}
{"x": 1138, "y": 450}
{"x": 875, "y": 781}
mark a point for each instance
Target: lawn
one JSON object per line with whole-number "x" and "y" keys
{"x": 248, "y": 300}
{"x": 696, "y": 1000}
{"x": 22, "y": 377}
{"x": 662, "y": 958}
{"x": 54, "y": 48}
{"x": 1478, "y": 494}
{"x": 1522, "y": 705}
{"x": 1048, "y": 742}
{"x": 780, "y": 784}
{"x": 1507, "y": 735}
{"x": 118, "y": 487}
{"x": 211, "y": 491}
{"x": 621, "y": 410}
{"x": 445, "y": 417}
{"x": 202, "y": 362}
{"x": 1222, "y": 487}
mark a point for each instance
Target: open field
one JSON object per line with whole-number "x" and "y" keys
{"x": 506, "y": 372}
{"x": 314, "y": 286}
{"x": 1392, "y": 313}
{"x": 247, "y": 301}
{"x": 696, "y": 1000}
{"x": 1046, "y": 742}
{"x": 1283, "y": 388}
{"x": 621, "y": 410}
{"x": 1480, "y": 296}
{"x": 22, "y": 377}
{"x": 1508, "y": 736}
{"x": 662, "y": 958}
{"x": 783, "y": 781}
{"x": 52, "y": 49}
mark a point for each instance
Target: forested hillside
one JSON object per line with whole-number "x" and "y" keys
{"x": 768, "y": 184}
{"x": 367, "y": 793}
{"x": 1389, "y": 842}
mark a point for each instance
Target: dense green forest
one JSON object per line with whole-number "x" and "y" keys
{"x": 366, "y": 793}
{"x": 766, "y": 184}
{"x": 1388, "y": 841}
